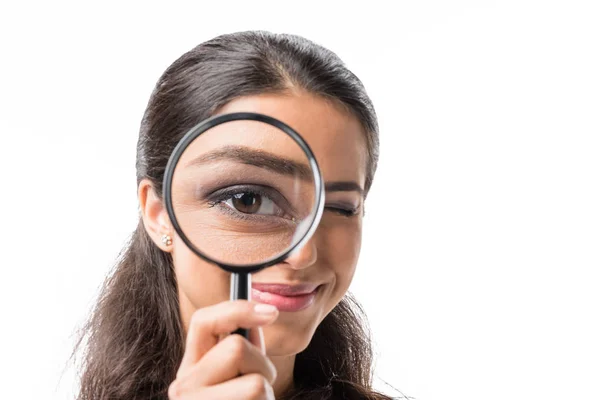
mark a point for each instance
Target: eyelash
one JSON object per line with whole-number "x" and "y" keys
{"x": 345, "y": 212}
{"x": 228, "y": 194}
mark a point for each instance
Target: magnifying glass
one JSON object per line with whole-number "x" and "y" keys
{"x": 243, "y": 191}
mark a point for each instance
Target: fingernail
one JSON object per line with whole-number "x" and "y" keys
{"x": 265, "y": 309}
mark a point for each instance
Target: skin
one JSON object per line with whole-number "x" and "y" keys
{"x": 329, "y": 258}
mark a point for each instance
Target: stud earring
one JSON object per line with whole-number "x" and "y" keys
{"x": 166, "y": 239}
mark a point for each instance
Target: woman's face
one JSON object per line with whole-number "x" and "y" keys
{"x": 327, "y": 262}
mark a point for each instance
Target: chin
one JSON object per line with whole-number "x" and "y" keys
{"x": 290, "y": 334}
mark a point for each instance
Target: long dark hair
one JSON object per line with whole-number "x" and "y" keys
{"x": 134, "y": 341}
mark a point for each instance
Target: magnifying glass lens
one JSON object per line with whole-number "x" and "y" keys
{"x": 243, "y": 193}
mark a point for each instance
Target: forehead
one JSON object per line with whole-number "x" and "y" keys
{"x": 334, "y": 135}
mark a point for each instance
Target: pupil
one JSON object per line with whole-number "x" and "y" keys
{"x": 248, "y": 203}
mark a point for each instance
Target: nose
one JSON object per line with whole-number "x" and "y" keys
{"x": 303, "y": 256}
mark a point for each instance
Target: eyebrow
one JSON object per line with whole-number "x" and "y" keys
{"x": 257, "y": 158}
{"x": 264, "y": 159}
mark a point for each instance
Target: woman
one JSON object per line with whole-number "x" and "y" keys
{"x": 160, "y": 327}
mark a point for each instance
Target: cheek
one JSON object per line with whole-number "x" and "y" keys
{"x": 201, "y": 283}
{"x": 342, "y": 247}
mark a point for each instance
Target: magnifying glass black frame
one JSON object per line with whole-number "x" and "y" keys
{"x": 240, "y": 275}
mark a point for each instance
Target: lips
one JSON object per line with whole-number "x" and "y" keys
{"x": 288, "y": 298}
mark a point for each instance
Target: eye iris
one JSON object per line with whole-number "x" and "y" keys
{"x": 248, "y": 203}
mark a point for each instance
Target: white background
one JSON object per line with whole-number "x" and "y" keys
{"x": 479, "y": 270}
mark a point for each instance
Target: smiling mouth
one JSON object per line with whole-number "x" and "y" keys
{"x": 287, "y": 298}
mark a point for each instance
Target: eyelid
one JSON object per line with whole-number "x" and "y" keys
{"x": 344, "y": 210}
{"x": 228, "y": 192}
{"x": 343, "y": 204}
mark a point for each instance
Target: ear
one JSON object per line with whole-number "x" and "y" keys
{"x": 154, "y": 214}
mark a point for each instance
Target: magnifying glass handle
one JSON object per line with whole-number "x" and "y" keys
{"x": 241, "y": 285}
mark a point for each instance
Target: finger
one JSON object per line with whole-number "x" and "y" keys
{"x": 208, "y": 323}
{"x": 257, "y": 338}
{"x": 246, "y": 387}
{"x": 232, "y": 357}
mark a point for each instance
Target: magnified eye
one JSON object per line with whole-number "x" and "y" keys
{"x": 253, "y": 203}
